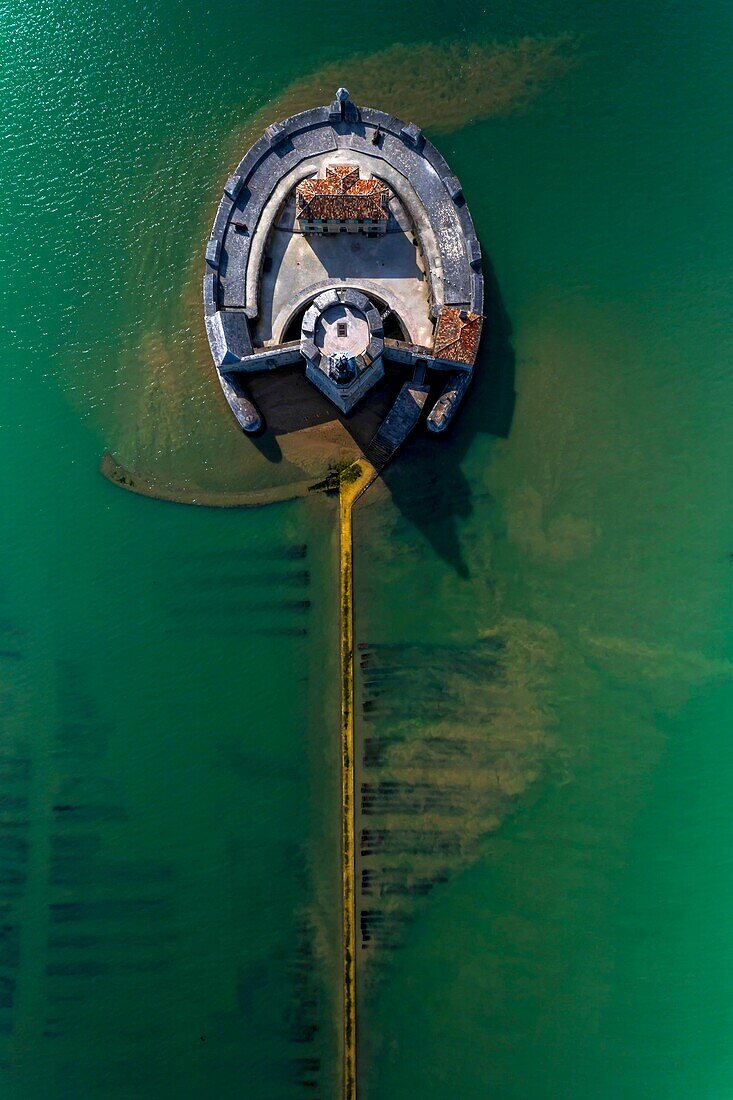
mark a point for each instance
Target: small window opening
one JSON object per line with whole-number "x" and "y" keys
{"x": 341, "y": 328}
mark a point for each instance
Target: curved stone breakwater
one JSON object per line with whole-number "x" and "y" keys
{"x": 159, "y": 489}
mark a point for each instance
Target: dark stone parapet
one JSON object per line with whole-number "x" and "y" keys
{"x": 233, "y": 186}
{"x": 268, "y": 358}
{"x": 477, "y": 294}
{"x": 213, "y": 248}
{"x": 453, "y": 187}
{"x": 210, "y": 297}
{"x": 229, "y": 337}
{"x": 275, "y": 134}
{"x": 412, "y": 354}
{"x": 343, "y": 109}
{"x": 405, "y": 354}
{"x": 473, "y": 250}
{"x": 412, "y": 134}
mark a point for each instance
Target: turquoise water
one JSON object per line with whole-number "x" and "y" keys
{"x": 168, "y": 820}
{"x": 558, "y": 600}
{"x": 582, "y": 950}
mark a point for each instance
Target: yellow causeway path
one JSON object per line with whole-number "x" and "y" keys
{"x": 349, "y": 492}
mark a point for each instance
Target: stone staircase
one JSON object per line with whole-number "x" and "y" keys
{"x": 398, "y": 423}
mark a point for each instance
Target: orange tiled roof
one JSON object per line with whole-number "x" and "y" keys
{"x": 342, "y": 196}
{"x": 457, "y": 335}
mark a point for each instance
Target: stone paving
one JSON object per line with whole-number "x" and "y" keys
{"x": 299, "y": 266}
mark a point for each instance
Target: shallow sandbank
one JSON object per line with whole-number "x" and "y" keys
{"x": 161, "y": 489}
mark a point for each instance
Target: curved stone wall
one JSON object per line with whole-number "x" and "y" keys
{"x": 387, "y": 298}
{"x": 408, "y": 162}
{"x": 371, "y": 165}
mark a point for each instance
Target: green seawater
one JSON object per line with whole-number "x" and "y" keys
{"x": 548, "y": 610}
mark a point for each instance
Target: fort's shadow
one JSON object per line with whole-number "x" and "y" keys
{"x": 426, "y": 481}
{"x": 291, "y": 404}
{"x": 268, "y": 446}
